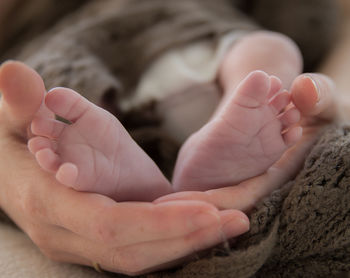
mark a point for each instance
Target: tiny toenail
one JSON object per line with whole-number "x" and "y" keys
{"x": 314, "y": 84}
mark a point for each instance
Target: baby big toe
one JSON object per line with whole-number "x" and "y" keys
{"x": 67, "y": 103}
{"x": 253, "y": 91}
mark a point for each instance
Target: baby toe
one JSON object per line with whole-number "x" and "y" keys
{"x": 280, "y": 101}
{"x": 47, "y": 127}
{"x": 290, "y": 117}
{"x": 67, "y": 103}
{"x": 67, "y": 174}
{"x": 38, "y": 143}
{"x": 252, "y": 92}
{"x": 275, "y": 86}
{"x": 48, "y": 160}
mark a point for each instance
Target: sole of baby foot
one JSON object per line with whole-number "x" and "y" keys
{"x": 93, "y": 152}
{"x": 246, "y": 136}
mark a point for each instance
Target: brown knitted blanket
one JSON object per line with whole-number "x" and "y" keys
{"x": 102, "y": 50}
{"x": 301, "y": 230}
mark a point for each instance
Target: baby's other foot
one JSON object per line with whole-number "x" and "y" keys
{"x": 245, "y": 137}
{"x": 94, "y": 153}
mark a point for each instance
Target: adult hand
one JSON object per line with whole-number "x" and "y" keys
{"x": 313, "y": 95}
{"x": 75, "y": 227}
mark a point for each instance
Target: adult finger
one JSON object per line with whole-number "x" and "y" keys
{"x": 161, "y": 253}
{"x": 62, "y": 245}
{"x": 232, "y": 197}
{"x": 243, "y": 196}
{"x": 99, "y": 218}
{"x": 23, "y": 92}
{"x": 314, "y": 95}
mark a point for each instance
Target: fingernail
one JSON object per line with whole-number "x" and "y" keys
{"x": 236, "y": 227}
{"x": 6, "y": 62}
{"x": 314, "y": 85}
{"x": 205, "y": 219}
{"x": 55, "y": 88}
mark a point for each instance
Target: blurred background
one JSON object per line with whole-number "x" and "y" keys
{"x": 23, "y": 20}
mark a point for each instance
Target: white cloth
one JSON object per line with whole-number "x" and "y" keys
{"x": 183, "y": 83}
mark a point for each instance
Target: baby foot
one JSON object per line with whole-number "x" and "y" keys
{"x": 94, "y": 153}
{"x": 243, "y": 139}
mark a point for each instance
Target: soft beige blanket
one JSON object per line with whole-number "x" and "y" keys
{"x": 19, "y": 258}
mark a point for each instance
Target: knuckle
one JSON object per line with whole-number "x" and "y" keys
{"x": 43, "y": 242}
{"x": 127, "y": 263}
{"x": 192, "y": 245}
{"x": 104, "y": 231}
{"x": 51, "y": 254}
{"x": 30, "y": 205}
{"x": 38, "y": 238}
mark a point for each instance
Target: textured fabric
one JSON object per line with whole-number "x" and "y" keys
{"x": 301, "y": 230}
{"x": 21, "y": 21}
{"x": 19, "y": 258}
